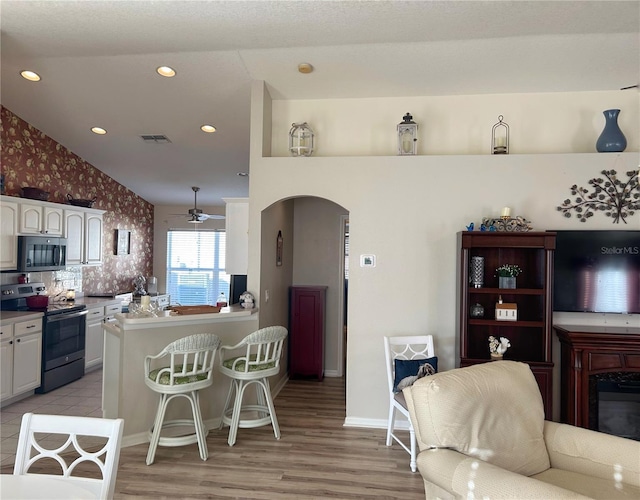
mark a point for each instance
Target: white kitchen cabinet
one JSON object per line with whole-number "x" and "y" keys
{"x": 237, "y": 235}
{"x": 6, "y": 361}
{"x": 83, "y": 231}
{"x": 39, "y": 219}
{"x": 74, "y": 233}
{"x": 27, "y": 358}
{"x": 93, "y": 242}
{"x": 21, "y": 356}
{"x": 8, "y": 235}
{"x": 97, "y": 316}
{"x": 6, "y": 369}
{"x": 111, "y": 310}
{"x": 94, "y": 341}
{"x": 6, "y": 332}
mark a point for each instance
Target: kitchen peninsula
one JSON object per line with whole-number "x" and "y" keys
{"x": 131, "y": 338}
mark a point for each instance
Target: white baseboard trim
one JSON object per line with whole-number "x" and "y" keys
{"x": 15, "y": 399}
{"x": 371, "y": 423}
{"x": 331, "y": 373}
{"x": 134, "y": 439}
{"x": 278, "y": 387}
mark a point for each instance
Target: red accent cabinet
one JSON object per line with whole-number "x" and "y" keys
{"x": 306, "y": 331}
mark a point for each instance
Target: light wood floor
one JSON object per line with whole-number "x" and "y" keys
{"x": 316, "y": 457}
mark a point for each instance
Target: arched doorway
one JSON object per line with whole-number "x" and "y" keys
{"x": 312, "y": 253}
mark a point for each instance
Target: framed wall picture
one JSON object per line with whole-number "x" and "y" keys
{"x": 123, "y": 242}
{"x": 279, "y": 249}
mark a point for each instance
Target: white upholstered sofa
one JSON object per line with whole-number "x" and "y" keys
{"x": 482, "y": 435}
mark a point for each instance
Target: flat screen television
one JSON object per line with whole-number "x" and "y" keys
{"x": 597, "y": 271}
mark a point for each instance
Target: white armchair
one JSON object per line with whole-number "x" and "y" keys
{"x": 482, "y": 434}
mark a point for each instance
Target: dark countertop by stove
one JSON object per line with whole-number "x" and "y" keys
{"x": 10, "y": 317}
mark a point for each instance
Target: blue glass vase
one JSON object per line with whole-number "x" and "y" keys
{"x": 611, "y": 140}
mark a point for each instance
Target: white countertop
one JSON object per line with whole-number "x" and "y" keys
{"x": 134, "y": 322}
{"x": 11, "y": 317}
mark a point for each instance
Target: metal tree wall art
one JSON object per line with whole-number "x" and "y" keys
{"x": 617, "y": 199}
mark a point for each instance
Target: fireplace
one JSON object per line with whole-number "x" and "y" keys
{"x": 614, "y": 403}
{"x": 600, "y": 378}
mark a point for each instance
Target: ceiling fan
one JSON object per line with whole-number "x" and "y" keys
{"x": 196, "y": 216}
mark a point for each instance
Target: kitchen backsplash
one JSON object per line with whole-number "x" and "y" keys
{"x": 30, "y": 158}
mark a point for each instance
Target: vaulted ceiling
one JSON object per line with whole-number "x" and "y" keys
{"x": 97, "y": 60}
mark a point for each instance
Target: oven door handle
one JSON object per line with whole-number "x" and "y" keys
{"x": 62, "y": 317}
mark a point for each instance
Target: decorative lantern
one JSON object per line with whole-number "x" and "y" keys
{"x": 301, "y": 139}
{"x": 500, "y": 138}
{"x": 407, "y": 136}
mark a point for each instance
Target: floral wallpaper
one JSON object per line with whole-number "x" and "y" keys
{"x": 29, "y": 158}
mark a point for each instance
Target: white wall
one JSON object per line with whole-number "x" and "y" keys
{"x": 458, "y": 125}
{"x": 275, "y": 280}
{"x": 407, "y": 211}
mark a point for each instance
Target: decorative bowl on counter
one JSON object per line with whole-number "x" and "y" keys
{"x": 78, "y": 202}
{"x": 35, "y": 193}
{"x": 37, "y": 301}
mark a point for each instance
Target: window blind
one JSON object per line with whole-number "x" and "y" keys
{"x": 196, "y": 267}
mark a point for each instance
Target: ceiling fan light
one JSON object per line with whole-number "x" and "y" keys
{"x": 194, "y": 221}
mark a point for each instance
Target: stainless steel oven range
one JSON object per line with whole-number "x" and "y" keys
{"x": 63, "y": 334}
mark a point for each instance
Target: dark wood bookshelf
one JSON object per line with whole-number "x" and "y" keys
{"x": 530, "y": 335}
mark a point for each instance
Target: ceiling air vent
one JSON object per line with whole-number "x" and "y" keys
{"x": 158, "y": 139}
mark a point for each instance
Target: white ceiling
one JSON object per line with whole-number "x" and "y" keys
{"x": 97, "y": 60}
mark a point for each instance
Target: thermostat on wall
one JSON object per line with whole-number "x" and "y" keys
{"x": 367, "y": 260}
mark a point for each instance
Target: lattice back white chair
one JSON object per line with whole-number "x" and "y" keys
{"x": 37, "y": 443}
{"x": 406, "y": 347}
{"x": 182, "y": 369}
{"x": 260, "y": 360}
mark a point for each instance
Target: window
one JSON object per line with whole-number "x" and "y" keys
{"x": 196, "y": 267}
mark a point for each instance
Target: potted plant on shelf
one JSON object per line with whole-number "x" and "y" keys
{"x": 507, "y": 274}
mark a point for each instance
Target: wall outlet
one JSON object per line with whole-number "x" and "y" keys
{"x": 266, "y": 296}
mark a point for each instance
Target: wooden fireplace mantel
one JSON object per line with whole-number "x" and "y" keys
{"x": 589, "y": 350}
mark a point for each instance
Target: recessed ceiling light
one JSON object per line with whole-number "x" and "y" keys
{"x": 305, "y": 68}
{"x": 98, "y": 130}
{"x": 209, "y": 129}
{"x": 166, "y": 71}
{"x": 30, "y": 75}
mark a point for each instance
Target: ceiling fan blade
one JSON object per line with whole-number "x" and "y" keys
{"x": 212, "y": 216}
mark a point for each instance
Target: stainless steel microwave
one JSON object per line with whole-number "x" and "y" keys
{"x": 41, "y": 253}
